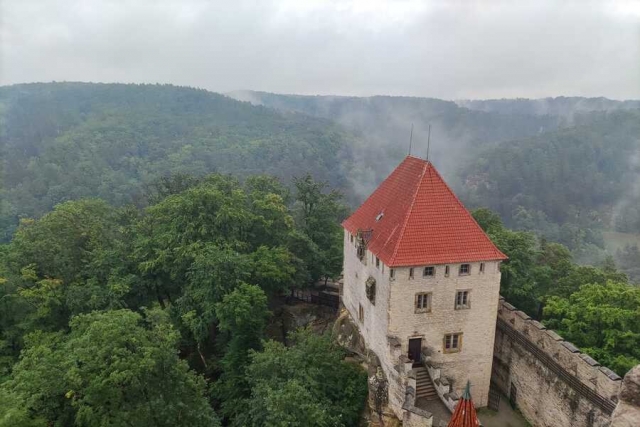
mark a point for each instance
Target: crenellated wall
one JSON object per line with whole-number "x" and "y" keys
{"x": 552, "y": 382}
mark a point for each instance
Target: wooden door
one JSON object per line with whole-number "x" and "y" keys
{"x": 415, "y": 347}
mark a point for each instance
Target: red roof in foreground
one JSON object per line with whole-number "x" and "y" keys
{"x": 420, "y": 221}
{"x": 465, "y": 413}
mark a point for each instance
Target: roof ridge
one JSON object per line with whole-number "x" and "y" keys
{"x": 406, "y": 218}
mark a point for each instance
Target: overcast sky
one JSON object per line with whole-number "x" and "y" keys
{"x": 445, "y": 49}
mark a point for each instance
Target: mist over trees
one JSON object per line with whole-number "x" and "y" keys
{"x": 566, "y": 168}
{"x": 148, "y": 229}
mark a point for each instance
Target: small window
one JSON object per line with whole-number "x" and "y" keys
{"x": 429, "y": 271}
{"x": 481, "y": 267}
{"x": 377, "y": 262}
{"x": 392, "y": 273}
{"x": 465, "y": 269}
{"x": 423, "y": 302}
{"x": 446, "y": 271}
{"x": 351, "y": 238}
{"x": 452, "y": 343}
{"x": 462, "y": 300}
{"x": 370, "y": 289}
{"x": 411, "y": 273}
{"x": 361, "y": 313}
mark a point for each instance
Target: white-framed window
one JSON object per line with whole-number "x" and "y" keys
{"x": 446, "y": 271}
{"x": 429, "y": 272}
{"x": 482, "y": 268}
{"x": 452, "y": 342}
{"x": 465, "y": 269}
{"x": 462, "y": 300}
{"x": 423, "y": 302}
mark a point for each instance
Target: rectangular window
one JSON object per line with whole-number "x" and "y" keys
{"x": 377, "y": 262}
{"x": 361, "y": 313}
{"x": 423, "y": 302}
{"x": 392, "y": 273}
{"x": 446, "y": 271}
{"x": 351, "y": 238}
{"x": 481, "y": 267}
{"x": 411, "y": 273}
{"x": 465, "y": 269}
{"x": 462, "y": 300}
{"x": 429, "y": 271}
{"x": 452, "y": 343}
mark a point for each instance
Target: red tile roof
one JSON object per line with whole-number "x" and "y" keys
{"x": 465, "y": 413}
{"x": 417, "y": 220}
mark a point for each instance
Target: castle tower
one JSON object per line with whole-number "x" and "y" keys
{"x": 421, "y": 277}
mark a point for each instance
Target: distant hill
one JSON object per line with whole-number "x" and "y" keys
{"x": 563, "y": 167}
{"x": 62, "y": 141}
{"x": 560, "y": 106}
{"x": 383, "y": 124}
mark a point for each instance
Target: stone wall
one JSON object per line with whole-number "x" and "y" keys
{"x": 477, "y": 323}
{"x": 552, "y": 382}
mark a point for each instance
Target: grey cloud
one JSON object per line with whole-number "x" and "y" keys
{"x": 448, "y": 50}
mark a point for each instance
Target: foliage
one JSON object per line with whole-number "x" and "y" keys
{"x": 564, "y": 184}
{"x": 66, "y": 141}
{"x": 319, "y": 214}
{"x": 243, "y": 314}
{"x": 603, "y": 320}
{"x": 113, "y": 368}
{"x": 305, "y": 384}
{"x": 537, "y": 269}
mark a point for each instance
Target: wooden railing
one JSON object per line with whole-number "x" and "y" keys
{"x": 319, "y": 298}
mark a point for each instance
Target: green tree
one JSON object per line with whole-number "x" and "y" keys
{"x": 603, "y": 320}
{"x": 242, "y": 314}
{"x": 319, "y": 214}
{"x": 114, "y": 368}
{"x": 62, "y": 264}
{"x": 307, "y": 383}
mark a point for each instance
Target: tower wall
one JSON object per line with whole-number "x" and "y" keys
{"x": 477, "y": 324}
{"x": 376, "y": 317}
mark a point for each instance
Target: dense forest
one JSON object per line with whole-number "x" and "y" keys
{"x": 564, "y": 168}
{"x": 150, "y": 232}
{"x": 157, "y": 316}
{"x": 64, "y": 141}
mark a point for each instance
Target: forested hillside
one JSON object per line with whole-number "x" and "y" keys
{"x": 564, "y": 184}
{"x": 63, "y": 141}
{"x": 560, "y": 106}
{"x": 383, "y": 124}
{"x": 565, "y": 168}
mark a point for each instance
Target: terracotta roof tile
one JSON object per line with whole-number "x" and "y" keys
{"x": 417, "y": 220}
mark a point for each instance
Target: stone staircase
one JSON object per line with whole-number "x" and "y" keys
{"x": 424, "y": 385}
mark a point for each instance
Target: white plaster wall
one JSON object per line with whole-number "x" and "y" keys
{"x": 477, "y": 324}
{"x": 376, "y": 317}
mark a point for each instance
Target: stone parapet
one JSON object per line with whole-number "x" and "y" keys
{"x": 550, "y": 379}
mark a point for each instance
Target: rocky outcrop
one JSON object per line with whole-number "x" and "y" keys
{"x": 378, "y": 413}
{"x": 627, "y": 412}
